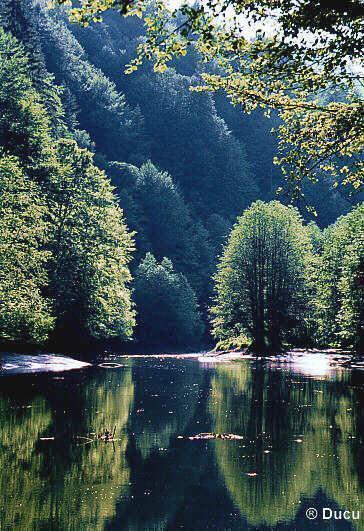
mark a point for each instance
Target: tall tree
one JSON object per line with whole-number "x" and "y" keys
{"x": 261, "y": 278}
{"x": 84, "y": 245}
{"x": 339, "y": 299}
{"x": 90, "y": 248}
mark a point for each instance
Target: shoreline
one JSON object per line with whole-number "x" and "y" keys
{"x": 332, "y": 359}
{"x": 307, "y": 361}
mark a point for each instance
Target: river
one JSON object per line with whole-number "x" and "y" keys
{"x": 299, "y": 447}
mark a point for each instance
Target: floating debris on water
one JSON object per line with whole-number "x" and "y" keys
{"x": 105, "y": 435}
{"x": 208, "y": 436}
{"x": 110, "y": 365}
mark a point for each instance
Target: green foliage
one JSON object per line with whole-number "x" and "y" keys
{"x": 101, "y": 109}
{"x": 25, "y": 314}
{"x": 351, "y": 315}
{"x": 315, "y": 235}
{"x": 90, "y": 247}
{"x": 290, "y": 53}
{"x": 278, "y": 280}
{"x": 61, "y": 218}
{"x": 226, "y": 150}
{"x": 210, "y": 158}
{"x": 339, "y": 298}
{"x": 167, "y": 306}
{"x": 269, "y": 409}
{"x": 213, "y": 164}
{"x": 239, "y": 343}
{"x": 15, "y": 19}
{"x": 158, "y": 213}
{"x": 21, "y": 19}
{"x": 24, "y": 123}
{"x": 261, "y": 278}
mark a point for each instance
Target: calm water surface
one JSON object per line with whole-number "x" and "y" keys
{"x": 302, "y": 431}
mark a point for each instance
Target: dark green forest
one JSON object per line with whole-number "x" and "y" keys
{"x": 134, "y": 209}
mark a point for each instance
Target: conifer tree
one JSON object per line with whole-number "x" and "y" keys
{"x": 166, "y": 305}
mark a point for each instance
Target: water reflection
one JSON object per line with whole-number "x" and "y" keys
{"x": 165, "y": 401}
{"x": 301, "y": 447}
{"x": 63, "y": 483}
{"x": 169, "y": 400}
{"x": 299, "y": 440}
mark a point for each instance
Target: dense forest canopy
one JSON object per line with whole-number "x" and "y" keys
{"x": 280, "y": 55}
{"x": 118, "y": 191}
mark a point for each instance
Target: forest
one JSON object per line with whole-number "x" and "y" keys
{"x": 139, "y": 207}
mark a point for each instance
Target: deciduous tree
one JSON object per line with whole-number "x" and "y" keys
{"x": 261, "y": 280}
{"x": 25, "y": 314}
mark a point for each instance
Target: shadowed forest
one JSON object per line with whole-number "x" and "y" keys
{"x": 136, "y": 210}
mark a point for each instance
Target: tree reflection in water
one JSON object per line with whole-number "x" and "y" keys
{"x": 63, "y": 484}
{"x": 299, "y": 439}
{"x": 301, "y": 446}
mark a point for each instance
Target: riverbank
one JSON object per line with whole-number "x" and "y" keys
{"x": 36, "y": 363}
{"x": 307, "y": 361}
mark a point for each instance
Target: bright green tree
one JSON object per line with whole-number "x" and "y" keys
{"x": 24, "y": 312}
{"x": 261, "y": 283}
{"x": 351, "y": 288}
{"x": 90, "y": 248}
{"x": 85, "y": 242}
{"x": 339, "y": 299}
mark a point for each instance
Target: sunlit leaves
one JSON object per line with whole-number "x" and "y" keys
{"x": 272, "y": 54}
{"x": 339, "y": 298}
{"x": 260, "y": 285}
{"x": 64, "y": 246}
{"x": 25, "y": 314}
